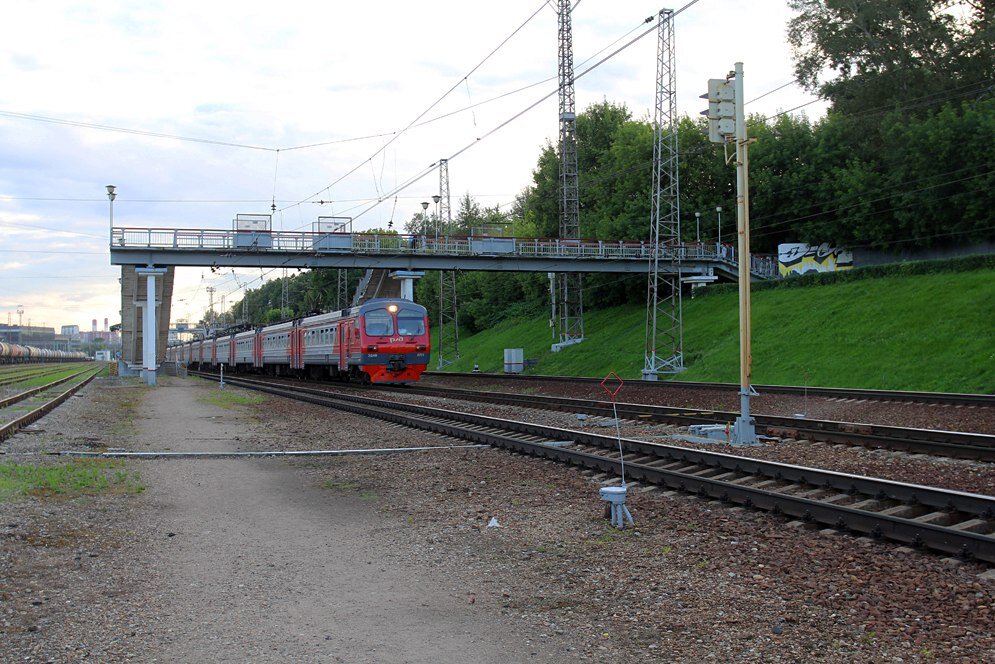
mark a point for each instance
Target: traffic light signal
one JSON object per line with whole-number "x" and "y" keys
{"x": 721, "y": 111}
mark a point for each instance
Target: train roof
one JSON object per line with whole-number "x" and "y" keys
{"x": 381, "y": 302}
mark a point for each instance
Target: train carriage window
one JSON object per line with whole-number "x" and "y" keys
{"x": 410, "y": 322}
{"x": 379, "y": 323}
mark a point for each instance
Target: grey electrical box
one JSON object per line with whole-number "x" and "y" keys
{"x": 252, "y": 231}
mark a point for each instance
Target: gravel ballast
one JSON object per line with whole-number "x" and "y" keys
{"x": 389, "y": 558}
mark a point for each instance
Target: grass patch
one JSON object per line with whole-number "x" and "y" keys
{"x": 928, "y": 332}
{"x": 84, "y": 477}
{"x": 126, "y": 404}
{"x": 606, "y": 537}
{"x": 38, "y": 381}
{"x": 230, "y": 399}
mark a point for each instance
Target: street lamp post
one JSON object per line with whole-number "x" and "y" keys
{"x": 424, "y": 214}
{"x": 438, "y": 219}
{"x": 697, "y": 227}
{"x": 111, "y": 195}
{"x": 718, "y": 211}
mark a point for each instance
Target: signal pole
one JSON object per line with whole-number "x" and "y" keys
{"x": 727, "y": 122}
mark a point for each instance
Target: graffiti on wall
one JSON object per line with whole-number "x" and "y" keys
{"x": 800, "y": 258}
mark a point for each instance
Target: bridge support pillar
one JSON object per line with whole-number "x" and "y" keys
{"x": 407, "y": 279}
{"x": 149, "y": 327}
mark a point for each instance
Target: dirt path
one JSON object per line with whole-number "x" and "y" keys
{"x": 258, "y": 565}
{"x": 389, "y": 559}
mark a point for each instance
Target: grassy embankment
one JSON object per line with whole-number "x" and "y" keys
{"x": 932, "y": 332}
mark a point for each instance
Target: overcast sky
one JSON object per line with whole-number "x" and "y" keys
{"x": 253, "y": 82}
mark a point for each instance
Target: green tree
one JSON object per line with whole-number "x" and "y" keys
{"x": 915, "y": 53}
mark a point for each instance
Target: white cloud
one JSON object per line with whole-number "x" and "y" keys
{"x": 295, "y": 74}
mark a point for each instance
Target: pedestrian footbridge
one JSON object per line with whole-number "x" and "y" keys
{"x": 300, "y": 249}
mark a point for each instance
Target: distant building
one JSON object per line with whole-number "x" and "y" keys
{"x": 28, "y": 335}
{"x": 71, "y": 331}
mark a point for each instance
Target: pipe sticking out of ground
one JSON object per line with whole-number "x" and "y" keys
{"x": 240, "y": 455}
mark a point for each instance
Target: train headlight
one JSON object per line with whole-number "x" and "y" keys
{"x": 372, "y": 349}
{"x": 392, "y": 308}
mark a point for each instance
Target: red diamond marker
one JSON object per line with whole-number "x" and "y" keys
{"x": 612, "y": 384}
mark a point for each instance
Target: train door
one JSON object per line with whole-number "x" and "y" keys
{"x": 296, "y": 347}
{"x": 301, "y": 345}
{"x": 349, "y": 340}
{"x": 257, "y": 349}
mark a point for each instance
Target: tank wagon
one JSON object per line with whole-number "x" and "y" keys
{"x": 381, "y": 341}
{"x": 19, "y": 354}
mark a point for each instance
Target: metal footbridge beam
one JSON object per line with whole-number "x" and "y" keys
{"x": 299, "y": 249}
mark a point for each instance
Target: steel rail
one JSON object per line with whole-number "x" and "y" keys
{"x": 10, "y": 428}
{"x": 955, "y": 444}
{"x": 7, "y": 379}
{"x": 907, "y": 513}
{"x": 27, "y": 394}
{"x": 939, "y": 398}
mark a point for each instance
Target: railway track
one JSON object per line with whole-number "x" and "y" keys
{"x": 10, "y": 422}
{"x": 13, "y": 378}
{"x": 955, "y": 444}
{"x": 950, "y": 522}
{"x": 938, "y": 398}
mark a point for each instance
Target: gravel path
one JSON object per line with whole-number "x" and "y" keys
{"x": 241, "y": 560}
{"x": 266, "y": 567}
{"x": 389, "y": 558}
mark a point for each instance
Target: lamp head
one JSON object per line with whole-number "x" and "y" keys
{"x": 110, "y": 191}
{"x": 436, "y": 198}
{"x": 718, "y": 208}
{"x": 424, "y": 205}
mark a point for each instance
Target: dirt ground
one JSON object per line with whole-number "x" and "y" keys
{"x": 389, "y": 558}
{"x": 231, "y": 561}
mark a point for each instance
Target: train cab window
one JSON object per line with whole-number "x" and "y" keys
{"x": 379, "y": 323}
{"x": 410, "y": 322}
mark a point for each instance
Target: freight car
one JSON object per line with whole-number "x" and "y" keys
{"x": 381, "y": 341}
{"x": 20, "y": 354}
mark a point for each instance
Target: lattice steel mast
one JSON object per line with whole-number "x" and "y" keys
{"x": 342, "y": 290}
{"x": 664, "y": 348}
{"x": 448, "y": 351}
{"x": 570, "y": 321}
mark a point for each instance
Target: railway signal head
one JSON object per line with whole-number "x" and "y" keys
{"x": 721, "y": 112}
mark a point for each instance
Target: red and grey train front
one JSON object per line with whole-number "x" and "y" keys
{"x": 395, "y": 343}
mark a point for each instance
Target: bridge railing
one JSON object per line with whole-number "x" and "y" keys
{"x": 449, "y": 245}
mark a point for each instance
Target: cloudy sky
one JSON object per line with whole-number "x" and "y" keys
{"x": 199, "y": 111}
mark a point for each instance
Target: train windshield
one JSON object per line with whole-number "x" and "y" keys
{"x": 410, "y": 322}
{"x": 379, "y": 323}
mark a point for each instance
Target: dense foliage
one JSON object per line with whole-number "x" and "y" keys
{"x": 899, "y": 162}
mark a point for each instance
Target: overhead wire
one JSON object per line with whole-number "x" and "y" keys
{"x": 398, "y": 134}
{"x": 528, "y": 108}
{"x": 123, "y": 130}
